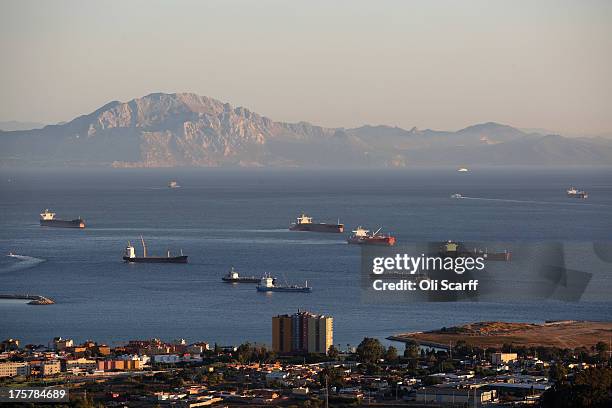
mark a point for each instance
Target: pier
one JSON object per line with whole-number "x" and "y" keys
{"x": 33, "y": 299}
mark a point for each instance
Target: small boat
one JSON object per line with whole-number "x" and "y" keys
{"x": 361, "y": 237}
{"x": 456, "y": 195}
{"x": 20, "y": 257}
{"x": 268, "y": 284}
{"x": 573, "y": 192}
{"x": 233, "y": 277}
{"x": 173, "y": 184}
{"x": 130, "y": 256}
{"x": 462, "y": 170}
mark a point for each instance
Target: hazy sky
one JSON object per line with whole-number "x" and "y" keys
{"x": 436, "y": 64}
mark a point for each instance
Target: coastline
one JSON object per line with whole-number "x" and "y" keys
{"x": 561, "y": 334}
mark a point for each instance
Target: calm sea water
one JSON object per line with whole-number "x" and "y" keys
{"x": 223, "y": 218}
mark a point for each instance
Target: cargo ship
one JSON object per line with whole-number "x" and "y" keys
{"x": 233, "y": 277}
{"x": 130, "y": 256}
{"x": 455, "y": 249}
{"x": 304, "y": 223}
{"x": 268, "y": 284}
{"x": 573, "y": 192}
{"x": 47, "y": 219}
{"x": 361, "y": 237}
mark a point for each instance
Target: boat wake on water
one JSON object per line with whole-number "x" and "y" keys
{"x": 276, "y": 241}
{"x": 508, "y": 200}
{"x": 23, "y": 262}
{"x": 264, "y": 230}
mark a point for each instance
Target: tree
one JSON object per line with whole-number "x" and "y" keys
{"x": 590, "y": 388}
{"x": 582, "y": 354}
{"x": 244, "y": 353}
{"x": 391, "y": 355}
{"x": 370, "y": 350}
{"x": 429, "y": 380}
{"x": 313, "y": 403}
{"x": 557, "y": 372}
{"x": 177, "y": 382}
{"x": 412, "y": 349}
{"x": 86, "y": 402}
{"x": 602, "y": 350}
{"x": 334, "y": 375}
{"x": 333, "y": 352}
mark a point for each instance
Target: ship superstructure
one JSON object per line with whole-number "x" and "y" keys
{"x": 304, "y": 223}
{"x": 47, "y": 219}
{"x": 130, "y": 255}
{"x": 362, "y": 236}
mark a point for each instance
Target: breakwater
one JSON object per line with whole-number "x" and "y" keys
{"x": 33, "y": 299}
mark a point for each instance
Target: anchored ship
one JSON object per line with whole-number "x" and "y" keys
{"x": 233, "y": 277}
{"x": 304, "y": 223}
{"x": 47, "y": 219}
{"x": 130, "y": 256}
{"x": 361, "y": 236}
{"x": 455, "y": 249}
{"x": 573, "y": 192}
{"x": 268, "y": 284}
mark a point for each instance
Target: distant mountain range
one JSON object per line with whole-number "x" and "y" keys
{"x": 168, "y": 130}
{"x": 16, "y": 125}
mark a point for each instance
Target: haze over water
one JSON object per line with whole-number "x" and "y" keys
{"x": 223, "y": 218}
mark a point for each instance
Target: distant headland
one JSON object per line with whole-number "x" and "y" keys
{"x": 561, "y": 334}
{"x": 188, "y": 130}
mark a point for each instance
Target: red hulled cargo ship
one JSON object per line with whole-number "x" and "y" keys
{"x": 361, "y": 236}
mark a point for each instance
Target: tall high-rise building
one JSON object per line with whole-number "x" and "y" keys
{"x": 302, "y": 332}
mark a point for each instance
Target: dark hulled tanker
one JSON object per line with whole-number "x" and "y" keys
{"x": 47, "y": 219}
{"x": 130, "y": 256}
{"x": 304, "y": 223}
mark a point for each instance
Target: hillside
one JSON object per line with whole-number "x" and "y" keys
{"x": 167, "y": 130}
{"x": 563, "y": 334}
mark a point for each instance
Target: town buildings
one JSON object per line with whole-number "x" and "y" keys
{"x": 301, "y": 333}
{"x": 503, "y": 358}
{"x": 12, "y": 369}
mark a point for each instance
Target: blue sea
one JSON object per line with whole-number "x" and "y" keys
{"x": 239, "y": 217}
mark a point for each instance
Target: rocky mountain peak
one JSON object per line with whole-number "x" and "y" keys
{"x": 186, "y": 129}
